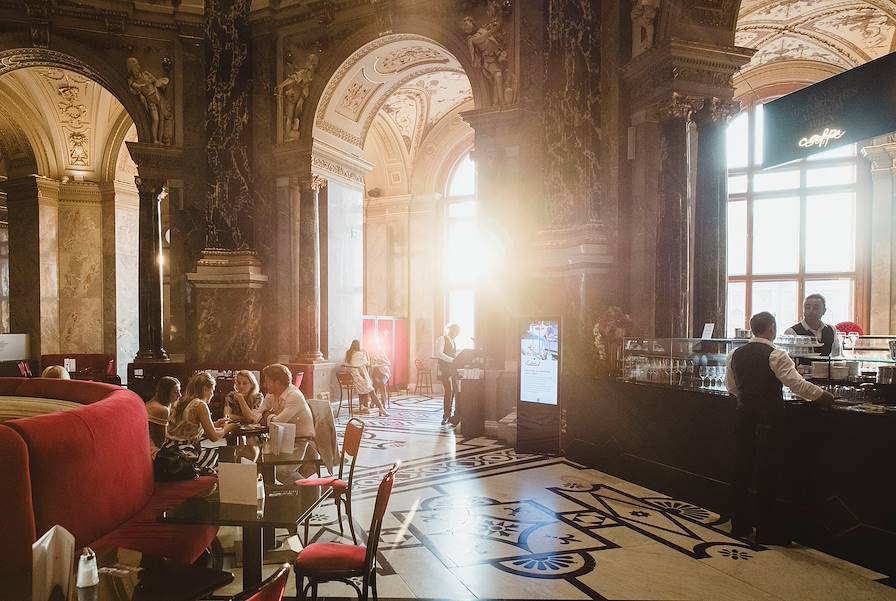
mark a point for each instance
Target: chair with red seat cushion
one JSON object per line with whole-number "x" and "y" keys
{"x": 342, "y": 487}
{"x": 325, "y": 562}
{"x": 849, "y": 326}
{"x": 270, "y": 590}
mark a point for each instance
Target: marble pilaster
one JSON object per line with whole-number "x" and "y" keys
{"x": 150, "y": 279}
{"x": 710, "y": 273}
{"x": 33, "y": 208}
{"x": 228, "y": 306}
{"x": 882, "y": 278}
{"x": 81, "y": 268}
{"x": 309, "y": 270}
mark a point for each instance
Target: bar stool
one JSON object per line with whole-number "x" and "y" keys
{"x": 424, "y": 379}
{"x": 346, "y": 384}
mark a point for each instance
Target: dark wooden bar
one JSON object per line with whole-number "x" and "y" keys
{"x": 837, "y": 475}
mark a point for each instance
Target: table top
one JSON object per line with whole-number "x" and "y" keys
{"x": 127, "y": 575}
{"x": 248, "y": 430}
{"x": 284, "y": 507}
{"x": 304, "y": 452}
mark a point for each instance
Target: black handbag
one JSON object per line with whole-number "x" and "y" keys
{"x": 170, "y": 466}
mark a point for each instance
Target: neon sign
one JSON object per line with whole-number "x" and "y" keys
{"x": 821, "y": 140}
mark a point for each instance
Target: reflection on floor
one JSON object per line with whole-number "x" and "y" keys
{"x": 472, "y": 519}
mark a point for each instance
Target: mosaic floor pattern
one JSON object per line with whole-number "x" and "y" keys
{"x": 471, "y": 519}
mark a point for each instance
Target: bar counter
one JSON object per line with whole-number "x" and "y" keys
{"x": 837, "y": 474}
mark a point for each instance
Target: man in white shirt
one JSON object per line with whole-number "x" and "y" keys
{"x": 445, "y": 352}
{"x": 814, "y": 308}
{"x": 284, "y": 403}
{"x": 756, "y": 374}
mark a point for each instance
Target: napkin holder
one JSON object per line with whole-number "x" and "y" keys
{"x": 53, "y": 556}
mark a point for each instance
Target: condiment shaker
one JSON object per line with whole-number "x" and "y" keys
{"x": 88, "y": 575}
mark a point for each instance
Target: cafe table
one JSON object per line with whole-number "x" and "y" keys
{"x": 244, "y": 430}
{"x": 127, "y": 575}
{"x": 283, "y": 507}
{"x": 304, "y": 453}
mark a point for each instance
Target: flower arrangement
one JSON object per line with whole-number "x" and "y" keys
{"x": 608, "y": 333}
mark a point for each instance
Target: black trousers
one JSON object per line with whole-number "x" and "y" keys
{"x": 450, "y": 381}
{"x": 759, "y": 437}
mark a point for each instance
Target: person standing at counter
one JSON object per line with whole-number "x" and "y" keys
{"x": 445, "y": 352}
{"x": 756, "y": 374}
{"x": 814, "y": 308}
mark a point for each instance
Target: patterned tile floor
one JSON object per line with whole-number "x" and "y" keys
{"x": 471, "y": 519}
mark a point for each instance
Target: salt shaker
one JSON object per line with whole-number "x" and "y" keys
{"x": 87, "y": 570}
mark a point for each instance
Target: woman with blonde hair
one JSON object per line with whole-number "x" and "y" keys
{"x": 191, "y": 422}
{"x": 56, "y": 371}
{"x": 356, "y": 361}
{"x": 243, "y": 399}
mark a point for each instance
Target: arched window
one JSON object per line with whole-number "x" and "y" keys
{"x": 792, "y": 230}
{"x": 461, "y": 250}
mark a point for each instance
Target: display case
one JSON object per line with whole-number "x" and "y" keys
{"x": 865, "y": 373}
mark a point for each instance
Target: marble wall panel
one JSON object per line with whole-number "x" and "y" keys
{"x": 230, "y": 215}
{"x": 80, "y": 278}
{"x": 127, "y": 299}
{"x": 572, "y": 122}
{"x": 376, "y": 258}
{"x": 229, "y": 324}
{"x": 345, "y": 268}
{"x": 4, "y": 279}
{"x": 423, "y": 314}
{"x": 48, "y": 232}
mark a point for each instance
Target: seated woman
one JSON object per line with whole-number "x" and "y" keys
{"x": 191, "y": 421}
{"x": 56, "y": 371}
{"x": 244, "y": 399}
{"x": 158, "y": 409}
{"x": 380, "y": 371}
{"x": 356, "y": 361}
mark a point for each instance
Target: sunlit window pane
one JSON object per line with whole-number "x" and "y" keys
{"x": 835, "y": 153}
{"x": 830, "y": 232}
{"x": 758, "y": 135}
{"x": 737, "y": 238}
{"x": 462, "y": 252}
{"x": 838, "y": 295}
{"x": 461, "y": 310}
{"x": 776, "y": 239}
{"x": 736, "y": 306}
{"x": 737, "y": 184}
{"x": 738, "y": 141}
{"x": 778, "y": 298}
{"x": 463, "y": 180}
{"x": 462, "y": 209}
{"x": 840, "y": 175}
{"x": 776, "y": 180}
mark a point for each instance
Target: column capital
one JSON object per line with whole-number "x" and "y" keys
{"x": 155, "y": 161}
{"x": 149, "y": 185}
{"x": 716, "y": 110}
{"x": 882, "y": 156}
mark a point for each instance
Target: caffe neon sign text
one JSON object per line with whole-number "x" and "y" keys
{"x": 821, "y": 140}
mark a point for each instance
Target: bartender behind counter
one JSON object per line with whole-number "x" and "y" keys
{"x": 755, "y": 375}
{"x": 814, "y": 308}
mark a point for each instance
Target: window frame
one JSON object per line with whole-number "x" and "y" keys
{"x": 861, "y": 260}
{"x": 448, "y": 220}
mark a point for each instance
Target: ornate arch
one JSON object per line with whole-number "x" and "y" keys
{"x": 97, "y": 69}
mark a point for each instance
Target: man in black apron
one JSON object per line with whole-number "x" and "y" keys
{"x": 814, "y": 308}
{"x": 445, "y": 352}
{"x": 756, "y": 374}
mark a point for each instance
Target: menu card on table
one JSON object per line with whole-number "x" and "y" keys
{"x": 283, "y": 438}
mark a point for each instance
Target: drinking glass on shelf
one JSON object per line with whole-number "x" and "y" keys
{"x": 853, "y": 340}
{"x": 703, "y": 373}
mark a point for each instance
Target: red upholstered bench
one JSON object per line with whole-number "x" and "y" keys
{"x": 89, "y": 470}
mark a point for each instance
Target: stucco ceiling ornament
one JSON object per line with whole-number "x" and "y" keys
{"x": 71, "y": 94}
{"x": 149, "y": 88}
{"x": 487, "y": 45}
{"x": 405, "y": 58}
{"x": 294, "y": 90}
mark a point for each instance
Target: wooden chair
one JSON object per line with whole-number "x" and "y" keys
{"x": 270, "y": 590}
{"x": 346, "y": 383}
{"x": 325, "y": 562}
{"x": 424, "y": 379}
{"x": 342, "y": 485}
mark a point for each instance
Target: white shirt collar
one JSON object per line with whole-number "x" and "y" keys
{"x": 761, "y": 340}
{"x": 806, "y": 325}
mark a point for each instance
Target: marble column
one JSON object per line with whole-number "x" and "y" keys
{"x": 309, "y": 269}
{"x": 33, "y": 205}
{"x": 882, "y": 155}
{"x": 672, "y": 252}
{"x": 710, "y": 274}
{"x": 150, "y": 280}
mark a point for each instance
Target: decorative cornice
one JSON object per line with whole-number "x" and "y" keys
{"x": 155, "y": 161}
{"x": 219, "y": 268}
{"x": 572, "y": 251}
{"x": 333, "y": 163}
{"x": 882, "y": 156}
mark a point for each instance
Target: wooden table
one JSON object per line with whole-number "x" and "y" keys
{"x": 283, "y": 507}
{"x": 233, "y": 437}
{"x": 127, "y": 575}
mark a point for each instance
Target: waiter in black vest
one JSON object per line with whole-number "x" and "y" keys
{"x": 445, "y": 352}
{"x": 814, "y": 308}
{"x": 756, "y": 374}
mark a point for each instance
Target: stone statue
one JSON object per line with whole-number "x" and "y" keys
{"x": 643, "y": 25}
{"x": 488, "y": 54}
{"x": 148, "y": 87}
{"x": 295, "y": 89}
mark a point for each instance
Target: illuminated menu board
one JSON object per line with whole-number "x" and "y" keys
{"x": 540, "y": 362}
